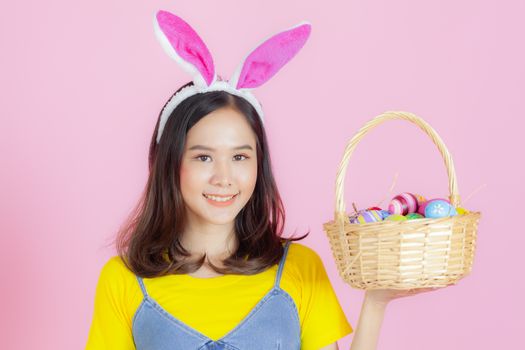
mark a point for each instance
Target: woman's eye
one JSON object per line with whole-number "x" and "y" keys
{"x": 200, "y": 157}
{"x": 240, "y": 155}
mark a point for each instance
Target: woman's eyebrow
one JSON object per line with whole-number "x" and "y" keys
{"x": 206, "y": 148}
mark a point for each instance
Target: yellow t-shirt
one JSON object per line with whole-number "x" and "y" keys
{"x": 214, "y": 306}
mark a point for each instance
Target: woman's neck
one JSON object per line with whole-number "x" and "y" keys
{"x": 217, "y": 245}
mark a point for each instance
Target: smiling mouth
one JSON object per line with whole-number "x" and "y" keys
{"x": 219, "y": 198}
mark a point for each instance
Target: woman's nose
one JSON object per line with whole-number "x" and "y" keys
{"x": 222, "y": 174}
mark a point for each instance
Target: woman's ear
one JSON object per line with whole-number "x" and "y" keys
{"x": 269, "y": 57}
{"x": 184, "y": 45}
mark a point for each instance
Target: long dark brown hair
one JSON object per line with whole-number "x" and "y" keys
{"x": 148, "y": 241}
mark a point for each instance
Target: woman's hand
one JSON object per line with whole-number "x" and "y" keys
{"x": 384, "y": 296}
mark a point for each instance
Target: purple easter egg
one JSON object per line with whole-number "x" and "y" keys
{"x": 367, "y": 216}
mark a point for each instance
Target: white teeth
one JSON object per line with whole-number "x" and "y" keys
{"x": 218, "y": 199}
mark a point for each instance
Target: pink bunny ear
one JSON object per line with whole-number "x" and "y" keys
{"x": 185, "y": 46}
{"x": 266, "y": 60}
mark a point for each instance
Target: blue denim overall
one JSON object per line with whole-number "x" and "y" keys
{"x": 272, "y": 324}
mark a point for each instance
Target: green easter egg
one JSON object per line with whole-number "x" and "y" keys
{"x": 396, "y": 217}
{"x": 413, "y": 216}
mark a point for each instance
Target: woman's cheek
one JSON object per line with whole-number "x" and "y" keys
{"x": 250, "y": 176}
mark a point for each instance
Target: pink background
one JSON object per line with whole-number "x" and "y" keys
{"x": 82, "y": 84}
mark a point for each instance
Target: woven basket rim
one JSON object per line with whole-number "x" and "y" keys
{"x": 424, "y": 220}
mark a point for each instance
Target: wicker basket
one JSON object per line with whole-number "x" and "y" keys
{"x": 411, "y": 254}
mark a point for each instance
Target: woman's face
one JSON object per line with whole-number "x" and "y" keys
{"x": 219, "y": 161}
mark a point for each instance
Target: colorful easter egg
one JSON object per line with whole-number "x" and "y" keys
{"x": 462, "y": 211}
{"x": 384, "y": 213}
{"x": 414, "y": 216}
{"x": 423, "y": 205}
{"x": 396, "y": 217}
{"x": 403, "y": 204}
{"x": 421, "y": 208}
{"x": 369, "y": 216}
{"x": 420, "y": 203}
{"x": 439, "y": 208}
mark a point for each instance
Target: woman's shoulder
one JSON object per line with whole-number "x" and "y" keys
{"x": 115, "y": 272}
{"x": 302, "y": 252}
{"x": 303, "y": 259}
{"x": 117, "y": 295}
{"x": 114, "y": 264}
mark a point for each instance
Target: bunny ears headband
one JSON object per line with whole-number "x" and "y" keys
{"x": 184, "y": 45}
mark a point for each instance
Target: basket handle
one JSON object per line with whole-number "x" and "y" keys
{"x": 340, "y": 213}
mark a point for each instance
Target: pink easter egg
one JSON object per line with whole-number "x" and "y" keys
{"x": 403, "y": 204}
{"x": 420, "y": 199}
{"x": 422, "y": 206}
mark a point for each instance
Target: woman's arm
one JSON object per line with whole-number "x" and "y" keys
{"x": 369, "y": 324}
{"x": 372, "y": 312}
{"x": 368, "y": 327}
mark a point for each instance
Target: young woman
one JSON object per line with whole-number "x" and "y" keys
{"x": 202, "y": 263}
